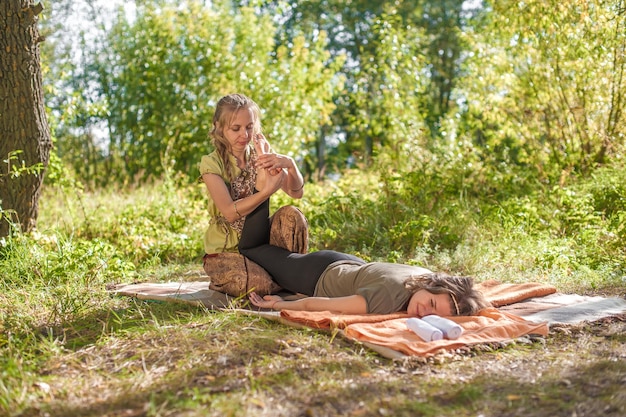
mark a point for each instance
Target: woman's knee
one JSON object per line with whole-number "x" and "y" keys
{"x": 290, "y": 230}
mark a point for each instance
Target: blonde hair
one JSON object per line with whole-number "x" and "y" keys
{"x": 465, "y": 299}
{"x": 225, "y": 111}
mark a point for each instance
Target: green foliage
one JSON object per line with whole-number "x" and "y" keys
{"x": 543, "y": 88}
{"x": 16, "y": 167}
{"x": 162, "y": 74}
{"x": 403, "y": 62}
{"x": 439, "y": 218}
{"x": 445, "y": 49}
{"x": 528, "y": 96}
{"x": 387, "y": 95}
{"x": 607, "y": 187}
{"x": 401, "y": 217}
{"x": 150, "y": 227}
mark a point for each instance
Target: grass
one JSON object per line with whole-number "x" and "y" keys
{"x": 191, "y": 362}
{"x": 68, "y": 348}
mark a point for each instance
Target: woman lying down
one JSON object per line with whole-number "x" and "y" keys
{"x": 343, "y": 283}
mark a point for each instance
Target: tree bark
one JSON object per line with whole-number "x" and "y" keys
{"x": 24, "y": 133}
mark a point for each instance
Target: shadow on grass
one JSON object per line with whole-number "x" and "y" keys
{"x": 90, "y": 328}
{"x": 345, "y": 387}
{"x": 588, "y": 390}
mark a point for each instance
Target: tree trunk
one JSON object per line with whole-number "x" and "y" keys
{"x": 24, "y": 133}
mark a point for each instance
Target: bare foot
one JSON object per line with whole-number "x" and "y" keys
{"x": 261, "y": 144}
{"x": 263, "y": 147}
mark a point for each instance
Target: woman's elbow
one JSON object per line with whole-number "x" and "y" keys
{"x": 298, "y": 195}
{"x": 230, "y": 213}
{"x": 232, "y": 217}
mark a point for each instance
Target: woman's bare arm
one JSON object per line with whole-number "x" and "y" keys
{"x": 352, "y": 304}
{"x": 225, "y": 204}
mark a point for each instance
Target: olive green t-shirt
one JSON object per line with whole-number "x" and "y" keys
{"x": 380, "y": 283}
{"x": 219, "y": 236}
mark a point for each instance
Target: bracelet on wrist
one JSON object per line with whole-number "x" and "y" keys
{"x": 237, "y": 211}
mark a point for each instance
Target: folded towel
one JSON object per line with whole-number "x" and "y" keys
{"x": 500, "y": 294}
{"x": 426, "y": 331}
{"x": 450, "y": 329}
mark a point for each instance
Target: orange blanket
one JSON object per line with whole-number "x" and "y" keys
{"x": 390, "y": 331}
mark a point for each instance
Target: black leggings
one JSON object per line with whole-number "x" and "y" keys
{"x": 295, "y": 272}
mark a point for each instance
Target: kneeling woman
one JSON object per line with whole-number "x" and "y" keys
{"x": 339, "y": 282}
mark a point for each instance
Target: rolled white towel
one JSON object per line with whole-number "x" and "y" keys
{"x": 450, "y": 329}
{"x": 424, "y": 330}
